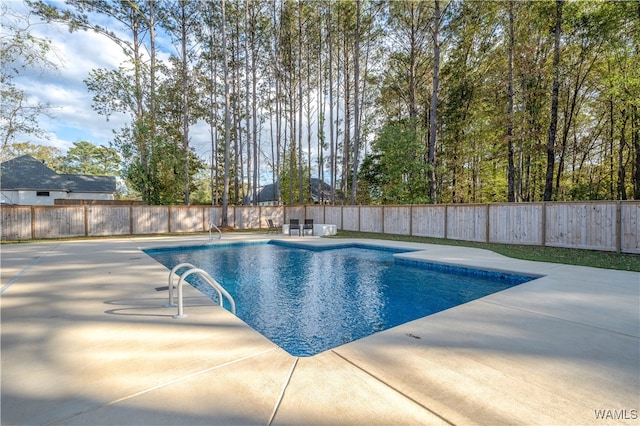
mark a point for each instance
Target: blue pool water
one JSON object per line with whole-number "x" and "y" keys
{"x": 311, "y": 300}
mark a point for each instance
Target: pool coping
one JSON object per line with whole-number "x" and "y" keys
{"x": 399, "y": 256}
{"x": 78, "y": 347}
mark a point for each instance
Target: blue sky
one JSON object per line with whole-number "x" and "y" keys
{"x": 64, "y": 90}
{"x": 73, "y": 119}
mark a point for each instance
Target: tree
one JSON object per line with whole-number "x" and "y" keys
{"x": 85, "y": 158}
{"x": 332, "y": 148}
{"x": 20, "y": 50}
{"x": 545, "y": 91}
{"x": 181, "y": 19}
{"x": 433, "y": 116}
{"x": 394, "y": 172}
{"x": 356, "y": 103}
{"x": 622, "y": 94}
{"x": 410, "y": 22}
{"x": 207, "y": 89}
{"x": 136, "y": 141}
{"x": 227, "y": 118}
{"x": 551, "y": 154}
{"x": 511, "y": 172}
{"x": 49, "y": 155}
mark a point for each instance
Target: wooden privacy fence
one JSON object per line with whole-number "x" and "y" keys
{"x": 602, "y": 225}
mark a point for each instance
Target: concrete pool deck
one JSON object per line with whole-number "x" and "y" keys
{"x": 86, "y": 341}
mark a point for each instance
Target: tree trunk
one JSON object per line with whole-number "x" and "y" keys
{"x": 138, "y": 135}
{"x": 278, "y": 101}
{"x": 238, "y": 164}
{"x": 332, "y": 148}
{"x": 300, "y": 103}
{"x": 635, "y": 140}
{"x": 413, "y": 54}
{"x": 622, "y": 169}
{"x": 213, "y": 121}
{"x": 185, "y": 98}
{"x": 337, "y": 120}
{"x": 346, "y": 144}
{"x": 434, "y": 103}
{"x": 227, "y": 120}
{"x": 152, "y": 99}
{"x": 356, "y": 103}
{"x": 254, "y": 108}
{"x": 511, "y": 193}
{"x": 635, "y": 131}
{"x": 611, "y": 142}
{"x": 553, "y": 125}
{"x": 250, "y": 190}
{"x": 321, "y": 118}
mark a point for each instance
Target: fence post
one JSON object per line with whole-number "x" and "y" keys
{"x": 618, "y": 226}
{"x": 411, "y": 220}
{"x": 33, "y": 223}
{"x": 86, "y": 221}
{"x": 131, "y": 219}
{"x": 543, "y": 225}
{"x": 488, "y": 224}
{"x": 445, "y": 221}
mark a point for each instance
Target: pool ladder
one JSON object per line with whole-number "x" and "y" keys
{"x": 202, "y": 274}
{"x": 212, "y": 226}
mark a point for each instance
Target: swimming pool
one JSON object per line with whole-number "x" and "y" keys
{"x": 308, "y": 300}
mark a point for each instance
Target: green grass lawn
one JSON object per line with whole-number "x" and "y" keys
{"x": 596, "y": 259}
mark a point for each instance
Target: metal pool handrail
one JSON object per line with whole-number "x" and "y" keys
{"x": 211, "y": 225}
{"x": 171, "y": 285}
{"x": 213, "y": 283}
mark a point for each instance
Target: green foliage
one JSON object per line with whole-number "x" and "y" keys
{"x": 164, "y": 175}
{"x": 88, "y": 159}
{"x": 113, "y": 91}
{"x": 201, "y": 193}
{"x": 290, "y": 186}
{"x": 396, "y": 172}
{"x": 20, "y": 50}
{"x": 286, "y": 46}
{"x": 50, "y": 155}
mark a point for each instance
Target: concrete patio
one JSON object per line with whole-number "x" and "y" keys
{"x": 86, "y": 341}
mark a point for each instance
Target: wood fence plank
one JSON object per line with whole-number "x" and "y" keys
{"x": 428, "y": 221}
{"x": 630, "y": 227}
{"x": 16, "y": 223}
{"x": 600, "y": 225}
{"x": 108, "y": 220}
{"x": 397, "y": 220}
{"x": 371, "y": 219}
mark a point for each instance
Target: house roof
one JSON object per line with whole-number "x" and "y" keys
{"x": 25, "y": 173}
{"x": 318, "y": 190}
{"x": 268, "y": 193}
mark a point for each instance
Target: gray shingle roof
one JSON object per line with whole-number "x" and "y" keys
{"x": 28, "y": 174}
{"x": 269, "y": 192}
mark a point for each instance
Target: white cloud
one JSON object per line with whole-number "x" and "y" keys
{"x": 200, "y": 139}
{"x": 64, "y": 90}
